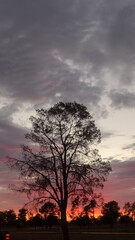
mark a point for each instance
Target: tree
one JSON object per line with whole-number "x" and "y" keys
{"x": 50, "y": 212}
{"x": 10, "y": 217}
{"x": 36, "y": 221}
{"x": 60, "y": 161}
{"x": 125, "y": 219}
{"x": 90, "y": 208}
{"x": 133, "y": 210}
{"x": 129, "y": 209}
{"x": 110, "y": 212}
{"x": 2, "y": 219}
{"x": 48, "y": 208}
{"x": 85, "y": 207}
{"x": 22, "y": 216}
{"x": 82, "y": 220}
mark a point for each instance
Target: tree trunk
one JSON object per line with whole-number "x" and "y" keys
{"x": 64, "y": 225}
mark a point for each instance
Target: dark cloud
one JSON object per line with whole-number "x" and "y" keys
{"x": 130, "y": 146}
{"x": 107, "y": 135}
{"x": 122, "y": 99}
{"x": 11, "y": 135}
{"x": 123, "y": 169}
{"x": 122, "y": 29}
{"x": 109, "y": 42}
{"x": 92, "y": 33}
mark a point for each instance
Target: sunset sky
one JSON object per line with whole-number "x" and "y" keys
{"x": 69, "y": 50}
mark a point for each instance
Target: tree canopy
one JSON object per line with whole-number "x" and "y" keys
{"x": 49, "y": 208}
{"x": 61, "y": 161}
{"x": 110, "y": 212}
{"x": 129, "y": 209}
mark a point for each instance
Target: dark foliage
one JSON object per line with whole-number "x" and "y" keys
{"x": 125, "y": 219}
{"x": 61, "y": 161}
{"x": 110, "y": 212}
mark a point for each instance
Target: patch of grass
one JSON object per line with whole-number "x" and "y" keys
{"x": 36, "y": 235}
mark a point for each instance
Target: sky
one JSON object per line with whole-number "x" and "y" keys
{"x": 69, "y": 50}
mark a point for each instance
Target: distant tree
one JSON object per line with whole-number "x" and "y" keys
{"x": 85, "y": 207}
{"x": 62, "y": 161}
{"x": 90, "y": 208}
{"x": 129, "y": 209}
{"x": 51, "y": 220}
{"x": 36, "y": 221}
{"x": 22, "y": 216}
{"x": 82, "y": 220}
{"x": 2, "y": 219}
{"x": 110, "y": 212}
{"x": 133, "y": 210}
{"x": 49, "y": 208}
{"x": 125, "y": 219}
{"x": 10, "y": 217}
{"x": 50, "y": 212}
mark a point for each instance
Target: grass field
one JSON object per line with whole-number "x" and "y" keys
{"x": 81, "y": 235}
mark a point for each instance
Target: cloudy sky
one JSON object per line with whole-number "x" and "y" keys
{"x": 69, "y": 50}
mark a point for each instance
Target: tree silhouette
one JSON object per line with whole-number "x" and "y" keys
{"x": 50, "y": 212}
{"x": 10, "y": 217}
{"x": 85, "y": 207}
{"x": 129, "y": 209}
{"x": 61, "y": 161}
{"x": 22, "y": 216}
{"x": 89, "y": 208}
{"x": 110, "y": 212}
{"x": 125, "y": 219}
{"x": 36, "y": 221}
{"x": 2, "y": 219}
{"x": 48, "y": 208}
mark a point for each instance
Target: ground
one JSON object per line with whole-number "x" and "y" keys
{"x": 75, "y": 234}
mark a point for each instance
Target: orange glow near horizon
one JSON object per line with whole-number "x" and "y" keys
{"x": 97, "y": 213}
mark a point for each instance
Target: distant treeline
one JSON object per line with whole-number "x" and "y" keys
{"x": 48, "y": 215}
